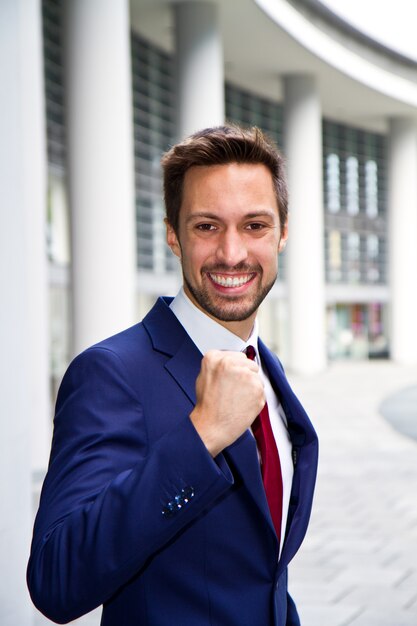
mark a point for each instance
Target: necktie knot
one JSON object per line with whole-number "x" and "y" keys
{"x": 250, "y": 353}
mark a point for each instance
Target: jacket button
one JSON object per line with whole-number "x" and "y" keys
{"x": 187, "y": 493}
{"x": 169, "y": 510}
{"x": 179, "y": 501}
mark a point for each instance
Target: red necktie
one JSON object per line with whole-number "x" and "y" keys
{"x": 270, "y": 463}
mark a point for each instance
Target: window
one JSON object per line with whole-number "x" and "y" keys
{"x": 353, "y": 257}
{"x": 354, "y": 188}
{"x": 249, "y": 109}
{"x": 153, "y": 114}
{"x": 372, "y": 255}
{"x": 371, "y": 188}
{"x": 352, "y": 185}
{"x": 333, "y": 183}
{"x": 54, "y": 87}
{"x": 334, "y": 260}
{"x": 58, "y": 240}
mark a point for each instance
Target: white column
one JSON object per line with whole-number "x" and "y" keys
{"x": 101, "y": 168}
{"x": 200, "y": 76}
{"x": 23, "y": 282}
{"x": 305, "y": 254}
{"x": 402, "y": 206}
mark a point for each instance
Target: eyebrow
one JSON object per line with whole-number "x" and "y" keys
{"x": 214, "y": 216}
{"x": 256, "y": 214}
{"x": 202, "y": 215}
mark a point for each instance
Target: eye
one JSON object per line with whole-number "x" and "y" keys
{"x": 255, "y": 226}
{"x": 206, "y": 227}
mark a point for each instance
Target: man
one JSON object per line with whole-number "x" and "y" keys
{"x": 175, "y": 496}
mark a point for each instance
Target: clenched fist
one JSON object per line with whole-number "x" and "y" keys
{"x": 230, "y": 395}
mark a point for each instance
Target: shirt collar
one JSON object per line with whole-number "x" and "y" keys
{"x": 206, "y": 333}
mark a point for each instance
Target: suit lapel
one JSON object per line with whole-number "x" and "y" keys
{"x": 169, "y": 337}
{"x": 242, "y": 457}
{"x": 304, "y": 441}
{"x": 184, "y": 367}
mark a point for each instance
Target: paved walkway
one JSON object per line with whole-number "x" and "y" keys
{"x": 400, "y": 409}
{"x": 358, "y": 565}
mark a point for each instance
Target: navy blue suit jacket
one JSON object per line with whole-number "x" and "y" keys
{"x": 136, "y": 515}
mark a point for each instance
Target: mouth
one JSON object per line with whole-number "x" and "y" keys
{"x": 231, "y": 282}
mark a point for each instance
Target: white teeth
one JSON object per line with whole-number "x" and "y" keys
{"x": 230, "y": 281}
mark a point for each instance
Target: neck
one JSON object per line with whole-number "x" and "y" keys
{"x": 242, "y": 329}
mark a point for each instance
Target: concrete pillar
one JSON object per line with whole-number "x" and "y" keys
{"x": 24, "y": 404}
{"x": 402, "y": 207}
{"x": 200, "y": 76}
{"x": 305, "y": 252}
{"x": 101, "y": 167}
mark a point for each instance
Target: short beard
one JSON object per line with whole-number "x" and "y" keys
{"x": 227, "y": 313}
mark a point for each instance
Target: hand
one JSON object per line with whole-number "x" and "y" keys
{"x": 230, "y": 395}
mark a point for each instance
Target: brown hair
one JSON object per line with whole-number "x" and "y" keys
{"x": 219, "y": 146}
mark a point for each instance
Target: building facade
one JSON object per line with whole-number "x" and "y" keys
{"x": 94, "y": 92}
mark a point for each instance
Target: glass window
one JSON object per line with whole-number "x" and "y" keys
{"x": 372, "y": 258}
{"x": 152, "y": 71}
{"x": 249, "y": 109}
{"x": 333, "y": 183}
{"x": 335, "y": 256}
{"x": 371, "y": 188}
{"x": 58, "y": 231}
{"x": 352, "y": 185}
{"x": 353, "y": 257}
{"x": 54, "y": 84}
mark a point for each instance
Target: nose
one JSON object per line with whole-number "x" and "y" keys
{"x": 231, "y": 249}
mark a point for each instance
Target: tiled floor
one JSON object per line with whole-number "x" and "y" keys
{"x": 358, "y": 565}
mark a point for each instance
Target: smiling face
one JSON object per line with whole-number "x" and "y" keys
{"x": 228, "y": 241}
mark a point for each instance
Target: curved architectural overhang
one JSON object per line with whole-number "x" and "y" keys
{"x": 337, "y": 55}
{"x": 321, "y": 10}
{"x": 360, "y": 82}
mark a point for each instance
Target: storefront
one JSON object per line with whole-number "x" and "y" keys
{"x": 357, "y": 331}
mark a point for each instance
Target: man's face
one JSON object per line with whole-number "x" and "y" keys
{"x": 228, "y": 241}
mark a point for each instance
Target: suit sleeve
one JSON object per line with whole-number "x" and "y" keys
{"x": 109, "y": 502}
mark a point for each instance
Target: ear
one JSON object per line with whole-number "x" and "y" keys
{"x": 172, "y": 239}
{"x": 283, "y": 238}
